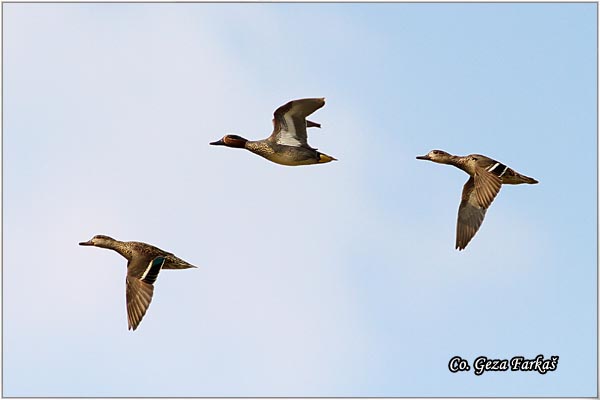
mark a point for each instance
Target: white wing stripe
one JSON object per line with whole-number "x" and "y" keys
{"x": 287, "y": 135}
{"x": 153, "y": 267}
{"x": 493, "y": 166}
{"x": 147, "y": 270}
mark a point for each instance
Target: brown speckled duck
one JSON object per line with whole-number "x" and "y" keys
{"x": 487, "y": 176}
{"x": 144, "y": 262}
{"x": 288, "y": 144}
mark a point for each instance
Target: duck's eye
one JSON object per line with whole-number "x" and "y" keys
{"x": 436, "y": 152}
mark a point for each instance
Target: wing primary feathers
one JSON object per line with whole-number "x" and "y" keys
{"x": 470, "y": 215}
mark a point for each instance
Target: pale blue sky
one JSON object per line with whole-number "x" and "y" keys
{"x": 329, "y": 280}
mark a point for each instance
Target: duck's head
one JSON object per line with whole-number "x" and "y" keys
{"x": 98, "y": 240}
{"x": 438, "y": 156}
{"x": 231, "y": 141}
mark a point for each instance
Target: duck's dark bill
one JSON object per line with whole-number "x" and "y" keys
{"x": 88, "y": 243}
{"x": 218, "y": 143}
{"x": 425, "y": 157}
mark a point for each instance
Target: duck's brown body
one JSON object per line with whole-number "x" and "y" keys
{"x": 474, "y": 162}
{"x": 287, "y": 155}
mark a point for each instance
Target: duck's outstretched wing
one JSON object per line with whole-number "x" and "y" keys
{"x": 140, "y": 288}
{"x": 470, "y": 215}
{"x": 487, "y": 185}
{"x": 289, "y": 122}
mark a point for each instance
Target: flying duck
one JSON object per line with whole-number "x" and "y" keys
{"x": 144, "y": 262}
{"x": 487, "y": 176}
{"x": 288, "y": 143}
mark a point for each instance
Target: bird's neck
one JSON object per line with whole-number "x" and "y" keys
{"x": 120, "y": 247}
{"x": 457, "y": 161}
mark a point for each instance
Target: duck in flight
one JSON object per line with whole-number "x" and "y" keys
{"x": 144, "y": 262}
{"x": 487, "y": 176}
{"x": 288, "y": 143}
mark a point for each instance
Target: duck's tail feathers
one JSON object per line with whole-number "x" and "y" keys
{"x": 324, "y": 158}
{"x": 529, "y": 180}
{"x": 179, "y": 266}
{"x": 524, "y": 179}
{"x": 512, "y": 177}
{"x": 177, "y": 263}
